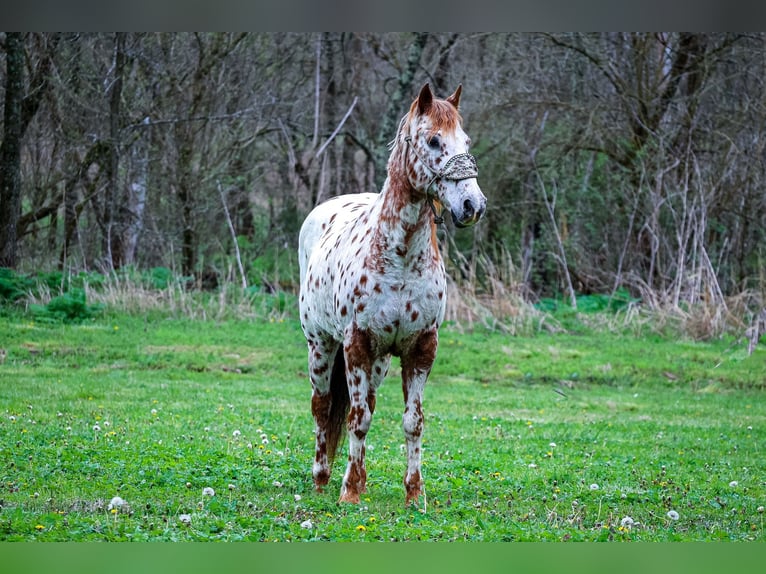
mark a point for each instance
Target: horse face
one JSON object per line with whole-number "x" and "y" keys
{"x": 443, "y": 168}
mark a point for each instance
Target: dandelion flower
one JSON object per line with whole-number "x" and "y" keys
{"x": 307, "y": 524}
{"x": 185, "y": 518}
{"x": 673, "y": 515}
{"x": 733, "y": 484}
{"x": 361, "y": 528}
{"x": 116, "y": 503}
{"x": 39, "y": 527}
{"x": 594, "y": 486}
{"x": 207, "y": 491}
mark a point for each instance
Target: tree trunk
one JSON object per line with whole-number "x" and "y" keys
{"x": 112, "y": 238}
{"x": 10, "y": 150}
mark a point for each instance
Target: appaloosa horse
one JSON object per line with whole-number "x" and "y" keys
{"x": 373, "y": 285}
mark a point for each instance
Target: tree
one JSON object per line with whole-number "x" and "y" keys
{"x": 10, "y": 149}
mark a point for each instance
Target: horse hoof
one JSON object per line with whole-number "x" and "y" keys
{"x": 349, "y": 497}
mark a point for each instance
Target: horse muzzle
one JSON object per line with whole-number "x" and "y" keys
{"x": 470, "y": 211}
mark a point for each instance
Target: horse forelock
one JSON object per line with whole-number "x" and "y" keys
{"x": 443, "y": 115}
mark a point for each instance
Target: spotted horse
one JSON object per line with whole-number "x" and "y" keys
{"x": 373, "y": 286}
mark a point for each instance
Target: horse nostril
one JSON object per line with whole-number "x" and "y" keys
{"x": 468, "y": 209}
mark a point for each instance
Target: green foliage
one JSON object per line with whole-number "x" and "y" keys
{"x": 13, "y": 286}
{"x": 595, "y": 303}
{"x": 69, "y": 307}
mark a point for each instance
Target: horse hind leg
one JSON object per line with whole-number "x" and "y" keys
{"x": 329, "y": 406}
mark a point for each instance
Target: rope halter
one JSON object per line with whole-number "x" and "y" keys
{"x": 457, "y": 168}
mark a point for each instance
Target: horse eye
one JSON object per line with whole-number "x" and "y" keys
{"x": 434, "y": 142}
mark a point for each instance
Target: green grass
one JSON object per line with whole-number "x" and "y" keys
{"x": 154, "y": 410}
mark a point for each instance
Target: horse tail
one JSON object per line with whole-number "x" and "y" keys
{"x": 339, "y": 406}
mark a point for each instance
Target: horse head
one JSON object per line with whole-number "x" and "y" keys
{"x": 439, "y": 164}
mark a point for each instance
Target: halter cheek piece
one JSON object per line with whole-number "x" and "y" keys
{"x": 459, "y": 167}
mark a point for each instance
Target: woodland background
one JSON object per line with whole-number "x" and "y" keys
{"x": 627, "y": 164}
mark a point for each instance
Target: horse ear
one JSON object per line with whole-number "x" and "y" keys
{"x": 425, "y": 99}
{"x": 454, "y": 99}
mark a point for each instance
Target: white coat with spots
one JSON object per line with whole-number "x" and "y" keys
{"x": 373, "y": 286}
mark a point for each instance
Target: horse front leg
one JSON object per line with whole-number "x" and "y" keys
{"x": 416, "y": 365}
{"x": 364, "y": 373}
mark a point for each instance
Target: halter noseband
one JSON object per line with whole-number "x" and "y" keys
{"x": 459, "y": 167}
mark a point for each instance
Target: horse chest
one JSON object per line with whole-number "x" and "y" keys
{"x": 393, "y": 306}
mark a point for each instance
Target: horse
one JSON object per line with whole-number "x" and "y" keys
{"x": 373, "y": 286}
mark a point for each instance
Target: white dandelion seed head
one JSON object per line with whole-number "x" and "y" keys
{"x": 154, "y": 412}
{"x": 594, "y": 486}
{"x": 116, "y": 502}
{"x": 297, "y": 498}
{"x": 12, "y": 418}
{"x": 207, "y": 491}
{"x": 673, "y": 515}
{"x": 107, "y": 423}
{"x": 532, "y": 465}
{"x": 264, "y": 441}
{"x": 96, "y": 428}
{"x": 206, "y": 429}
{"x": 249, "y": 445}
{"x": 733, "y": 484}
{"x": 760, "y": 509}
{"x": 277, "y": 484}
{"x": 627, "y": 522}
{"x": 59, "y": 414}
{"x": 232, "y": 486}
{"x": 236, "y": 433}
{"x": 185, "y": 518}
{"x": 307, "y": 524}
{"x": 552, "y": 445}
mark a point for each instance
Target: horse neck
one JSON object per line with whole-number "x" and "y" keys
{"x": 406, "y": 230}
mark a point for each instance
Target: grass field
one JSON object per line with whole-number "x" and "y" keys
{"x": 115, "y": 428}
